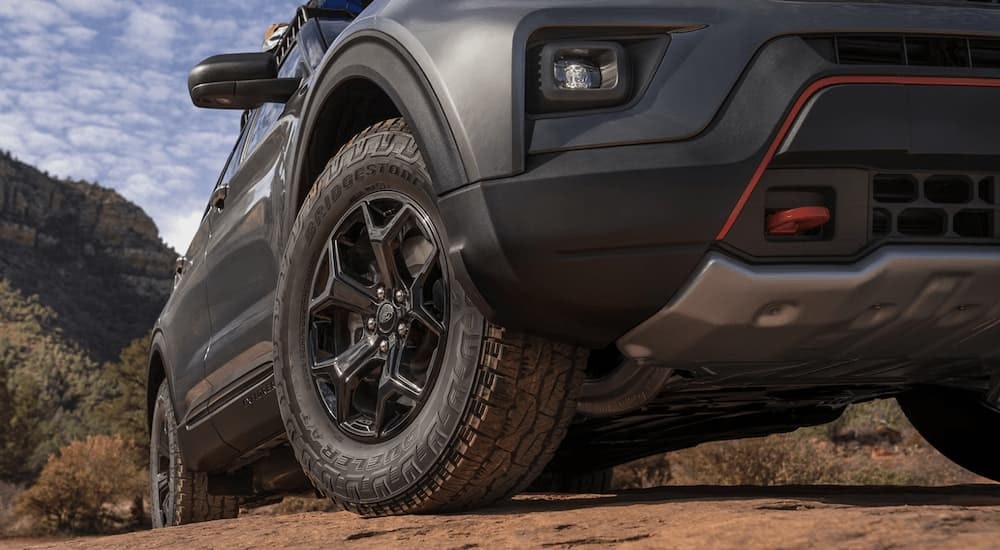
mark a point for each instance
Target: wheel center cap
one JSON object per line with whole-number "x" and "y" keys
{"x": 386, "y": 317}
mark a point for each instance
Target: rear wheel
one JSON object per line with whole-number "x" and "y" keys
{"x": 397, "y": 396}
{"x": 957, "y": 423}
{"x": 180, "y": 496}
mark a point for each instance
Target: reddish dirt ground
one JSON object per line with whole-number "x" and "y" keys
{"x": 674, "y": 517}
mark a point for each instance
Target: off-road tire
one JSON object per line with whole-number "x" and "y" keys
{"x": 959, "y": 424}
{"x": 188, "y": 490}
{"x": 501, "y": 402}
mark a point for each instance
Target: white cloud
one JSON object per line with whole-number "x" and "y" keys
{"x": 70, "y": 167}
{"x": 78, "y": 33}
{"x": 41, "y": 141}
{"x": 150, "y": 34}
{"x": 92, "y": 8}
{"x": 30, "y": 15}
{"x": 142, "y": 188}
{"x": 97, "y": 137}
{"x": 177, "y": 230}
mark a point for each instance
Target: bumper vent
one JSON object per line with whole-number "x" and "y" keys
{"x": 932, "y": 207}
{"x": 906, "y": 50}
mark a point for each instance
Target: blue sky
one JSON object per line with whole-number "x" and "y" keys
{"x": 97, "y": 90}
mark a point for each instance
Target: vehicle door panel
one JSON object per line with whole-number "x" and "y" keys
{"x": 244, "y": 272}
{"x": 243, "y": 257}
{"x": 190, "y": 328}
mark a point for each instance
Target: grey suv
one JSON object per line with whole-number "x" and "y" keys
{"x": 464, "y": 247}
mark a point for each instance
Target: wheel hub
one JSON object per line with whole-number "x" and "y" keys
{"x": 386, "y": 318}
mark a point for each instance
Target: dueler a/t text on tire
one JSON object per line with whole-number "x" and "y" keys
{"x": 397, "y": 396}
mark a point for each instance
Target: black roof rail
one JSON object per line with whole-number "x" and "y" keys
{"x": 303, "y": 14}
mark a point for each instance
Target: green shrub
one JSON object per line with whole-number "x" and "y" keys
{"x": 8, "y": 495}
{"x": 653, "y": 471}
{"x": 772, "y": 460}
{"x": 81, "y": 488}
{"x": 871, "y": 444}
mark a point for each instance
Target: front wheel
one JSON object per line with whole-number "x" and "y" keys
{"x": 397, "y": 396}
{"x": 180, "y": 496}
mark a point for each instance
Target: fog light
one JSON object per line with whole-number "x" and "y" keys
{"x": 574, "y": 74}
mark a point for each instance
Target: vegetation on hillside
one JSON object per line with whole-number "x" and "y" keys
{"x": 47, "y": 386}
{"x": 871, "y": 444}
{"x": 52, "y": 397}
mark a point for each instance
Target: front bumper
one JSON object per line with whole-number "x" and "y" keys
{"x": 912, "y": 303}
{"x": 587, "y": 243}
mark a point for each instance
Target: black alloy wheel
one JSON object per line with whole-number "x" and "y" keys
{"x": 378, "y": 316}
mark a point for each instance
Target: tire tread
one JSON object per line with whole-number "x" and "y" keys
{"x": 194, "y": 503}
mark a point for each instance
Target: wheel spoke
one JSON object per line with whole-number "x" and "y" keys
{"x": 344, "y": 368}
{"x": 386, "y": 264}
{"x": 382, "y": 402}
{"x": 351, "y": 294}
{"x": 420, "y": 279}
{"x": 421, "y": 315}
{"x": 330, "y": 269}
{"x": 345, "y": 399}
{"x": 162, "y": 482}
{"x": 344, "y": 374}
{"x": 393, "y": 383}
{"x": 391, "y": 228}
{"x": 343, "y": 291}
{"x": 405, "y": 389}
{"x": 381, "y": 239}
{"x": 390, "y": 387}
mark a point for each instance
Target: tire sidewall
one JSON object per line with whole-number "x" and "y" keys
{"x": 163, "y": 415}
{"x": 343, "y": 467}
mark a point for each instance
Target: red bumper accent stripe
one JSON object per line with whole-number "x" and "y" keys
{"x": 815, "y": 88}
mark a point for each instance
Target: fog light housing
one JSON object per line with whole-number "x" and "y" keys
{"x": 581, "y": 75}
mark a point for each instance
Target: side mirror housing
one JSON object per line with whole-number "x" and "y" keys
{"x": 239, "y": 81}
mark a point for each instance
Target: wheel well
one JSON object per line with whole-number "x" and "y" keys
{"x": 157, "y": 374}
{"x": 355, "y": 105}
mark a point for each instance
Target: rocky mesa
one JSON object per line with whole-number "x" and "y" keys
{"x": 90, "y": 255}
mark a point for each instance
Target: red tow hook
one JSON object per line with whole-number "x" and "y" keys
{"x": 797, "y": 221}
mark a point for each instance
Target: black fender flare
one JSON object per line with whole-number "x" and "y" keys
{"x": 376, "y": 57}
{"x": 380, "y": 59}
{"x": 156, "y": 348}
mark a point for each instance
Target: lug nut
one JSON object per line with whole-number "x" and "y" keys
{"x": 400, "y": 296}
{"x": 383, "y": 346}
{"x": 403, "y": 329}
{"x": 380, "y": 293}
{"x": 370, "y": 324}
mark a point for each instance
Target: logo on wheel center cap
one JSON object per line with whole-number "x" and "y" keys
{"x": 386, "y": 317}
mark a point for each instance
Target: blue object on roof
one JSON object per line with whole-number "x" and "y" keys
{"x": 353, "y": 6}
